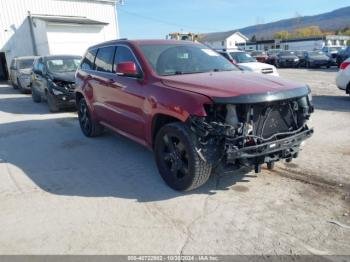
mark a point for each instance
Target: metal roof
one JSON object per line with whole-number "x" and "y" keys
{"x": 219, "y": 36}
{"x": 68, "y": 19}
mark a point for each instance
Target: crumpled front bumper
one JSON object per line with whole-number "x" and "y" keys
{"x": 269, "y": 151}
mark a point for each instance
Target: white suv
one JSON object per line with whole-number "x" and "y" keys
{"x": 343, "y": 77}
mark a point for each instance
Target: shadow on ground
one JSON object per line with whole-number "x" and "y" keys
{"x": 56, "y": 156}
{"x": 332, "y": 103}
{"x": 15, "y": 102}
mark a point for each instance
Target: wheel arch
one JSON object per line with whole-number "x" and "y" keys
{"x": 158, "y": 121}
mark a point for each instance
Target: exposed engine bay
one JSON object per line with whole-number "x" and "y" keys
{"x": 252, "y": 134}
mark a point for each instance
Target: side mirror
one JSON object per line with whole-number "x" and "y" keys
{"x": 38, "y": 72}
{"x": 127, "y": 69}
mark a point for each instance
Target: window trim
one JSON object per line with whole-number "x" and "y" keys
{"x": 113, "y": 73}
{"x": 98, "y": 50}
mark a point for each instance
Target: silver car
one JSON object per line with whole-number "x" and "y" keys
{"x": 20, "y": 72}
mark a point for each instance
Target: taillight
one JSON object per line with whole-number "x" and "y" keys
{"x": 344, "y": 65}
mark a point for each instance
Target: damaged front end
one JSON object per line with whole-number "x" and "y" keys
{"x": 253, "y": 131}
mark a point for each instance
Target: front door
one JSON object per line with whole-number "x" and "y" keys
{"x": 127, "y": 97}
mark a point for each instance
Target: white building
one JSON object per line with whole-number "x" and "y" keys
{"x": 223, "y": 40}
{"x": 302, "y": 44}
{"x": 43, "y": 27}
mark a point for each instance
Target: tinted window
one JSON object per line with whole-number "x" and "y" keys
{"x": 104, "y": 59}
{"x": 89, "y": 60}
{"x": 38, "y": 65}
{"x": 124, "y": 54}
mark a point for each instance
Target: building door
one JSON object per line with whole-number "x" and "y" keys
{"x": 70, "y": 39}
{"x": 3, "y": 67}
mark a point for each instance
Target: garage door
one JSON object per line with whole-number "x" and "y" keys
{"x": 73, "y": 39}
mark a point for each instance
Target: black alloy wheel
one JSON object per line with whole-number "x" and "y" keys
{"x": 179, "y": 164}
{"x": 87, "y": 125}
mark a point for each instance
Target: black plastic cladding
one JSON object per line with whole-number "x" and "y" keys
{"x": 264, "y": 97}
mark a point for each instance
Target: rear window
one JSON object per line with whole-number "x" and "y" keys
{"x": 89, "y": 60}
{"x": 104, "y": 59}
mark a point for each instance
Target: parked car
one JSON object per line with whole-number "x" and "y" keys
{"x": 343, "y": 76}
{"x": 301, "y": 55}
{"x": 53, "y": 80}
{"x": 272, "y": 56}
{"x": 260, "y": 56}
{"x": 315, "y": 59}
{"x": 332, "y": 52}
{"x": 191, "y": 106}
{"x": 20, "y": 71}
{"x": 343, "y": 55}
{"x": 287, "y": 59}
{"x": 248, "y": 63}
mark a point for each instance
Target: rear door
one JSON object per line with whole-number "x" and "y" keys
{"x": 100, "y": 82}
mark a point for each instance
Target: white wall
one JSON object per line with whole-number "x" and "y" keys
{"x": 228, "y": 43}
{"x": 15, "y": 37}
{"x": 233, "y": 40}
{"x": 304, "y": 45}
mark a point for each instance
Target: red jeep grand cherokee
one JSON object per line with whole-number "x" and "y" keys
{"x": 191, "y": 106}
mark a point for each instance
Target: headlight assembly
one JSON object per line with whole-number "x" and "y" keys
{"x": 56, "y": 92}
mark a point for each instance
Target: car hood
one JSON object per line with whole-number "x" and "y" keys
{"x": 254, "y": 66}
{"x": 25, "y": 71}
{"x": 321, "y": 57}
{"x": 288, "y": 57}
{"x": 230, "y": 84}
{"x": 66, "y": 76}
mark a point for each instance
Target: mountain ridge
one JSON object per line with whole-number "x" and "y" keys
{"x": 330, "y": 21}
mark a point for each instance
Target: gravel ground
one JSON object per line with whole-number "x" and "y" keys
{"x": 62, "y": 193}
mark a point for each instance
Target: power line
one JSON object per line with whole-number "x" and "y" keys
{"x": 164, "y": 21}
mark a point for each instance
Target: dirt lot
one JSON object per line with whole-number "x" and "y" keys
{"x": 62, "y": 193}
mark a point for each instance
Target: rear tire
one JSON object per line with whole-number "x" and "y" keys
{"x": 178, "y": 162}
{"x": 88, "y": 126}
{"x": 14, "y": 85}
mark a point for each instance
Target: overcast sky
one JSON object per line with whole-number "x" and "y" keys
{"x": 156, "y": 18}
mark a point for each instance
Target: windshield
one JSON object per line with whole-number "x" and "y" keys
{"x": 184, "y": 59}
{"x": 242, "y": 57}
{"x": 287, "y": 53}
{"x": 25, "y": 63}
{"x": 61, "y": 65}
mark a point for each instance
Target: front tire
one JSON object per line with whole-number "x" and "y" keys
{"x": 52, "y": 103}
{"x": 36, "y": 97}
{"x": 88, "y": 126}
{"x": 177, "y": 159}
